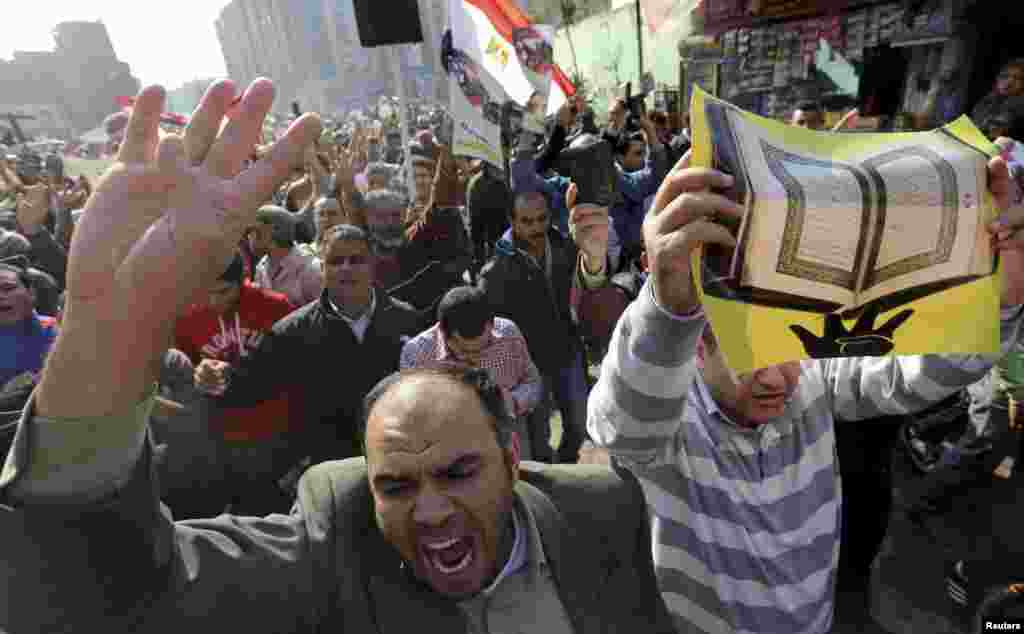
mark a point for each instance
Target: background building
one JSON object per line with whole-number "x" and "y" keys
{"x": 69, "y": 89}
{"x": 91, "y": 75}
{"x": 602, "y": 47}
{"x": 311, "y": 49}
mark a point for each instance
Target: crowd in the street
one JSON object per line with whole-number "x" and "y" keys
{"x": 205, "y": 330}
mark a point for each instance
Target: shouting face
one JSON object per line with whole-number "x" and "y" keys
{"x": 441, "y": 484}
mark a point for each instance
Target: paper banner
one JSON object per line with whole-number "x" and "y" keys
{"x": 887, "y": 227}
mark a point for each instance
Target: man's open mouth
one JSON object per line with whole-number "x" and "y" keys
{"x": 450, "y": 556}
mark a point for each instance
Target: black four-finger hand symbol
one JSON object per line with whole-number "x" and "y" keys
{"x": 863, "y": 341}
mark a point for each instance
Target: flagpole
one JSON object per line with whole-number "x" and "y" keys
{"x": 403, "y": 123}
{"x": 639, "y": 41}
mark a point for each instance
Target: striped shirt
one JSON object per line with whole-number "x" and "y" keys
{"x": 745, "y": 522}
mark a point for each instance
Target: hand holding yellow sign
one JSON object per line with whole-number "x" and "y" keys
{"x": 849, "y": 244}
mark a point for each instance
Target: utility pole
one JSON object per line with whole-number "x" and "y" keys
{"x": 568, "y": 13}
{"x": 639, "y": 41}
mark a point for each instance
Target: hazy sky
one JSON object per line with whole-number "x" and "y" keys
{"x": 162, "y": 46}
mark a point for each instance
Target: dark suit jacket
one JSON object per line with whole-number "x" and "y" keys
{"x": 519, "y": 290}
{"x": 314, "y": 352}
{"x": 124, "y": 566}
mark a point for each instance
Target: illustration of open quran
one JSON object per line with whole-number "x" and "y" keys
{"x": 900, "y": 217}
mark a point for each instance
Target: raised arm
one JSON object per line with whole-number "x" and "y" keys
{"x": 47, "y": 254}
{"x": 636, "y": 407}
{"x": 81, "y": 524}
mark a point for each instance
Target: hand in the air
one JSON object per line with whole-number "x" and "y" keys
{"x": 863, "y": 341}
{"x": 33, "y": 206}
{"x": 589, "y": 228}
{"x": 164, "y": 221}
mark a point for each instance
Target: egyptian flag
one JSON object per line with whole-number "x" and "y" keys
{"x": 518, "y": 54}
{"x": 126, "y": 104}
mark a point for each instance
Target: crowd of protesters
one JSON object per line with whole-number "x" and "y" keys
{"x": 560, "y": 285}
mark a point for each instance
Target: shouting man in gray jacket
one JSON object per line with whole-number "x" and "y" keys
{"x": 439, "y": 529}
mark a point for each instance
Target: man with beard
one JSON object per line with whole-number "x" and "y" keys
{"x": 385, "y": 215}
{"x": 440, "y": 527}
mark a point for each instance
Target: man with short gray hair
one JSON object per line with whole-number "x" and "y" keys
{"x": 385, "y": 220}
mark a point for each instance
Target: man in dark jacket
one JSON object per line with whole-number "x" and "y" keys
{"x": 534, "y": 279}
{"x": 353, "y": 322}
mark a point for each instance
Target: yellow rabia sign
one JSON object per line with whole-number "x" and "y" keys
{"x": 861, "y": 244}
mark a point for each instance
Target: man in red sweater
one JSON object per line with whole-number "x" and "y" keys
{"x": 216, "y": 335}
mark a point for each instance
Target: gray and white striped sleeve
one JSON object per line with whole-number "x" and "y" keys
{"x": 636, "y": 408}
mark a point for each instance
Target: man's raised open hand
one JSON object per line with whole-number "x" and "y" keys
{"x": 161, "y": 225}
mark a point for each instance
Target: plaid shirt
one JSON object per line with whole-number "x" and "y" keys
{"x": 505, "y": 357}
